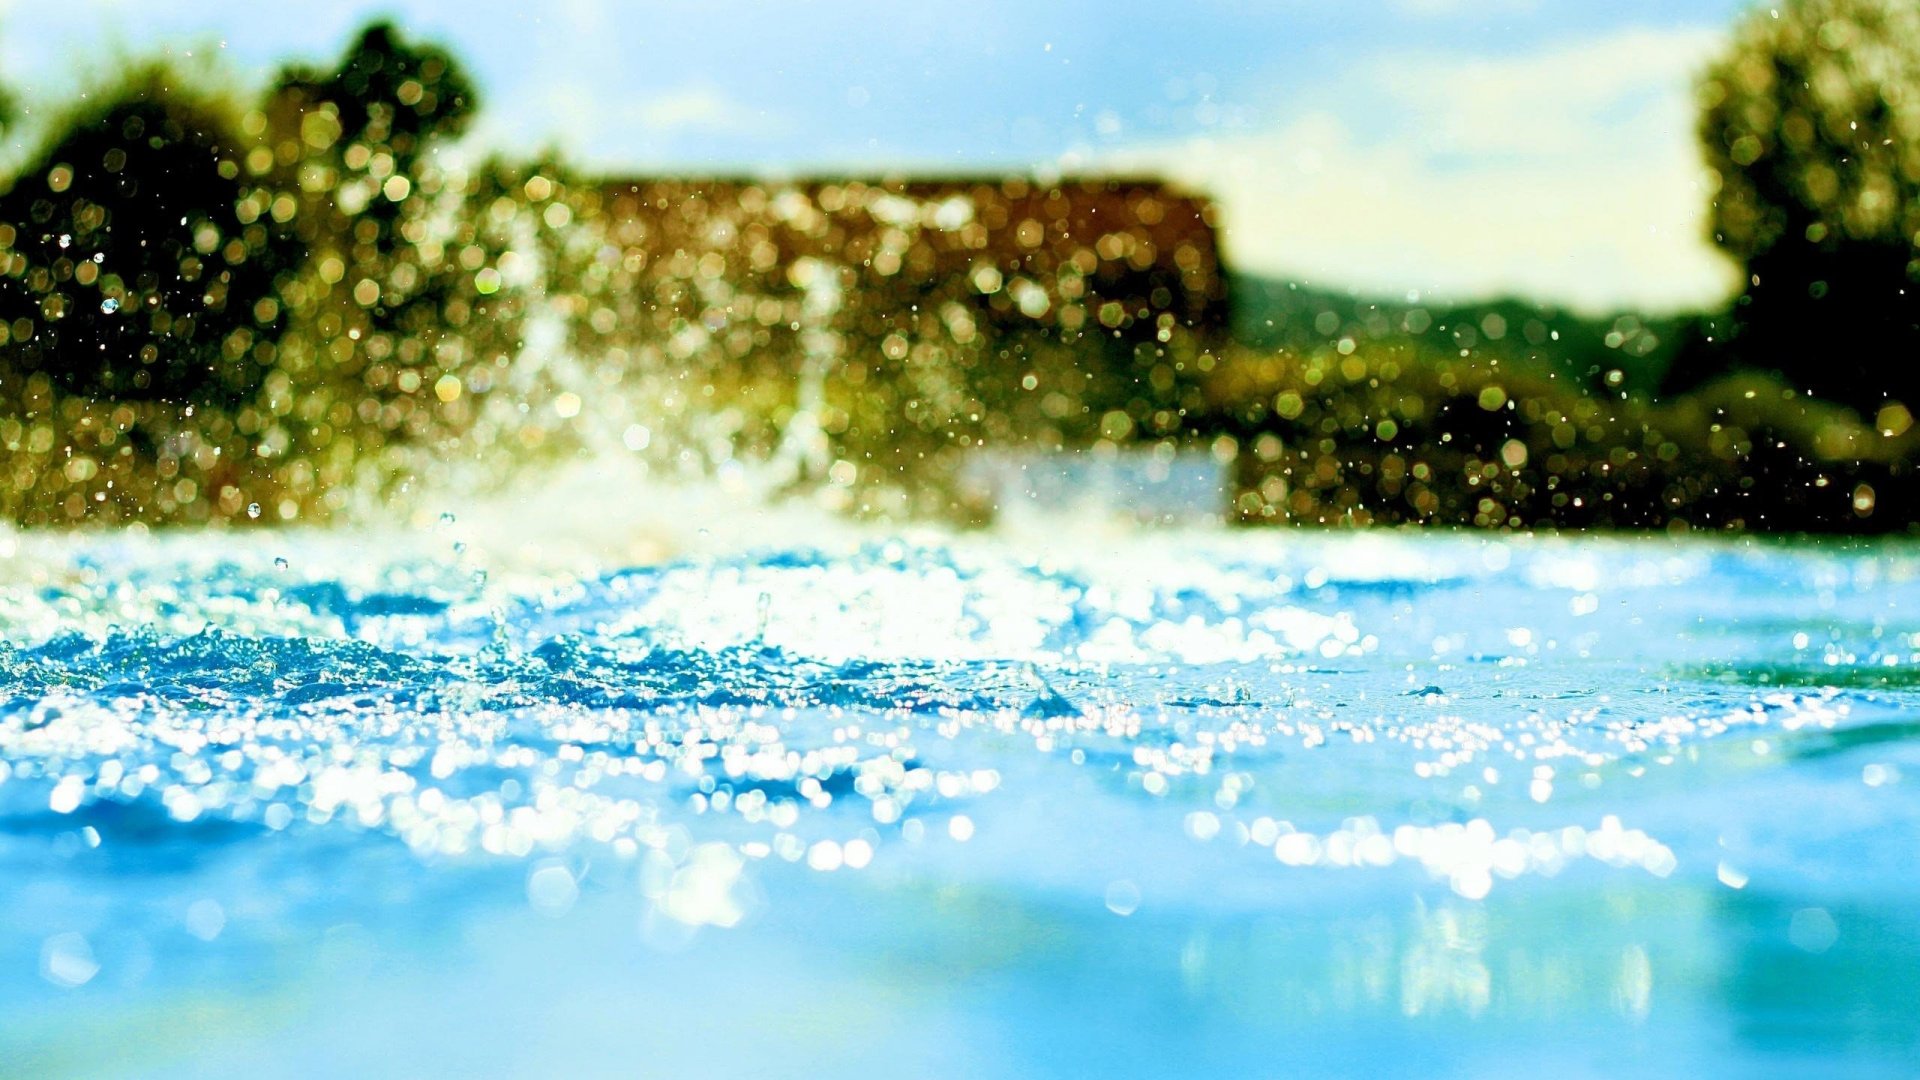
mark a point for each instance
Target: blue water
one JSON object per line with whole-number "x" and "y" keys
{"x": 1194, "y": 802}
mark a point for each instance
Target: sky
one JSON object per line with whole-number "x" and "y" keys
{"x": 1458, "y": 149}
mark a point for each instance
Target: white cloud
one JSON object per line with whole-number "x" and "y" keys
{"x": 694, "y": 108}
{"x": 586, "y": 17}
{"x": 1568, "y": 175}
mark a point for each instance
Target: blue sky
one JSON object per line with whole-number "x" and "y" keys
{"x": 1448, "y": 146}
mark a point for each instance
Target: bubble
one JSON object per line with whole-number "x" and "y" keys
{"x": 66, "y": 960}
{"x": 1473, "y": 883}
{"x": 1203, "y": 825}
{"x": 551, "y": 889}
{"x": 1813, "y": 930}
{"x": 206, "y": 919}
{"x": 1123, "y": 897}
{"x": 67, "y": 795}
{"x": 709, "y": 890}
{"x": 825, "y": 855}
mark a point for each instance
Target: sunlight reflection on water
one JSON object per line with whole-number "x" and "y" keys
{"x": 1162, "y": 800}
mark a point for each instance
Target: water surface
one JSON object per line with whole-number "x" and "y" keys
{"x": 1148, "y": 803}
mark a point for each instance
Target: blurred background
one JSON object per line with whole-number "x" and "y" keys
{"x": 1459, "y": 150}
{"x": 1510, "y": 265}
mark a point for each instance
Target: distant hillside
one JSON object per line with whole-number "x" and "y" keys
{"x": 1621, "y": 352}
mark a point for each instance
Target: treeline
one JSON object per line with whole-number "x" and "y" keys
{"x": 268, "y": 310}
{"x": 260, "y": 311}
{"x": 1399, "y": 434}
{"x": 1791, "y": 409}
{"x": 1810, "y": 127}
{"x": 1625, "y": 351}
{"x": 244, "y": 310}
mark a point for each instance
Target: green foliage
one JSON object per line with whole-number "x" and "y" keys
{"x": 1812, "y": 125}
{"x": 1606, "y": 354}
{"x": 131, "y": 276}
{"x": 138, "y": 304}
{"x": 1395, "y": 434}
{"x": 396, "y": 312}
{"x": 227, "y": 314}
{"x": 389, "y": 94}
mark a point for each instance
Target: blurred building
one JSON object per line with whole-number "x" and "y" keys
{"x": 1115, "y": 259}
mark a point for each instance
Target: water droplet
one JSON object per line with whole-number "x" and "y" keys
{"x": 109, "y": 305}
{"x": 253, "y": 510}
{"x": 1813, "y": 930}
{"x": 205, "y": 919}
{"x": 280, "y": 562}
{"x": 66, "y": 960}
{"x": 551, "y": 889}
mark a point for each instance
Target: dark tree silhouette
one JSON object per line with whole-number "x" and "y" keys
{"x": 390, "y": 94}
{"x": 1812, "y": 124}
{"x": 367, "y": 125}
{"x": 141, "y": 264}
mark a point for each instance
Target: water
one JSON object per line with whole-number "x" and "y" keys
{"x": 1061, "y": 801}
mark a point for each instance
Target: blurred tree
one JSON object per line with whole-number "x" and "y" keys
{"x": 1812, "y": 124}
{"x": 210, "y": 311}
{"x": 377, "y": 113}
{"x": 356, "y": 139}
{"x": 392, "y": 308}
{"x": 141, "y": 266}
